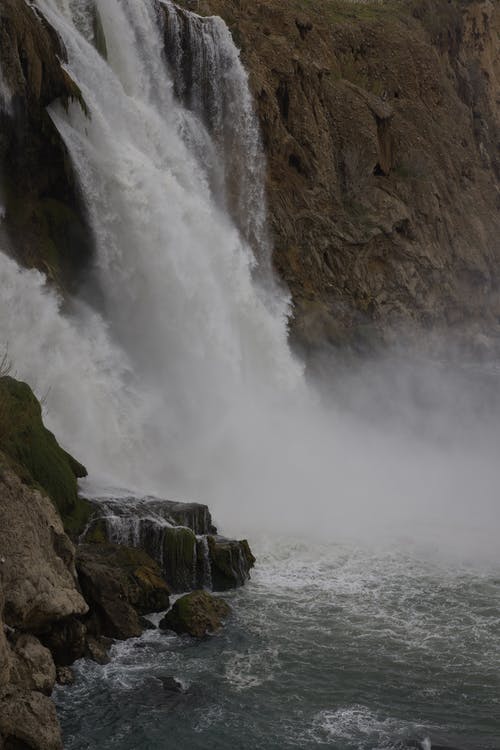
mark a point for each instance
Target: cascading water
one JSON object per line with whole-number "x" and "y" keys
{"x": 180, "y": 382}
{"x": 211, "y": 82}
{"x": 173, "y": 271}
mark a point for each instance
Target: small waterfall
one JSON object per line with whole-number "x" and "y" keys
{"x": 211, "y": 82}
{"x": 204, "y": 563}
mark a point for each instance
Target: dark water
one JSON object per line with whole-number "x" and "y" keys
{"x": 327, "y": 647}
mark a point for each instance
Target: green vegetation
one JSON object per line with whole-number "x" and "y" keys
{"x": 34, "y": 453}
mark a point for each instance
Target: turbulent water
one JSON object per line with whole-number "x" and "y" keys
{"x": 171, "y": 374}
{"x": 328, "y": 647}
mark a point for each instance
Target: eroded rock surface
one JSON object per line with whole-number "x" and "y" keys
{"x": 381, "y": 126}
{"x": 45, "y": 217}
{"x": 120, "y": 584}
{"x": 197, "y": 614}
{"x": 37, "y": 565}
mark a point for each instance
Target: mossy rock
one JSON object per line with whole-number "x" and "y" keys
{"x": 230, "y": 561}
{"x": 179, "y": 558}
{"x": 119, "y": 584}
{"x": 197, "y": 614}
{"x": 36, "y": 456}
{"x": 96, "y": 532}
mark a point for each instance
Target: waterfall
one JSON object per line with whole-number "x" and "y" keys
{"x": 211, "y": 82}
{"x": 184, "y": 337}
{"x": 174, "y": 377}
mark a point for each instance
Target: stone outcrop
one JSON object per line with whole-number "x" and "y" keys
{"x": 28, "y": 718}
{"x": 381, "y": 125}
{"x": 45, "y": 218}
{"x": 180, "y": 537}
{"x": 37, "y": 565}
{"x": 197, "y": 614}
{"x": 119, "y": 583}
{"x": 36, "y": 456}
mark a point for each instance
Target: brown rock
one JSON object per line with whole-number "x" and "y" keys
{"x": 28, "y": 721}
{"x": 65, "y": 676}
{"x": 33, "y": 666}
{"x": 197, "y": 614}
{"x": 383, "y": 162}
{"x": 119, "y": 583}
{"x": 39, "y": 585}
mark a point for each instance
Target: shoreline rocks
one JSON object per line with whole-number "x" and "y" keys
{"x": 182, "y": 540}
{"x": 59, "y": 603}
{"x": 197, "y": 614}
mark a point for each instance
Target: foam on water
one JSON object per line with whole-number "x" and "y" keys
{"x": 374, "y": 650}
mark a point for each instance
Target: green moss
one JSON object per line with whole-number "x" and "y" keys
{"x": 179, "y": 558}
{"x": 36, "y": 455}
{"x": 97, "y": 532}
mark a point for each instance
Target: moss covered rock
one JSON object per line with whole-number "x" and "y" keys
{"x": 35, "y": 454}
{"x": 179, "y": 558}
{"x": 119, "y": 584}
{"x": 198, "y": 614}
{"x": 230, "y": 562}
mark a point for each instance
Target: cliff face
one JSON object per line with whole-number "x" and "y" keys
{"x": 381, "y": 127}
{"x": 45, "y": 219}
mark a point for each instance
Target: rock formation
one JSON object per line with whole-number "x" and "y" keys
{"x": 197, "y": 614}
{"x": 59, "y": 603}
{"x": 45, "y": 218}
{"x": 381, "y": 127}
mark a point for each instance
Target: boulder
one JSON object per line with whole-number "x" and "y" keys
{"x": 36, "y": 456}
{"x": 66, "y": 640}
{"x": 197, "y": 614}
{"x": 28, "y": 721}
{"x": 37, "y": 558}
{"x": 119, "y": 583}
{"x": 33, "y": 666}
{"x": 230, "y": 562}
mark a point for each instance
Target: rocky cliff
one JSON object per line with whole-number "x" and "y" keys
{"x": 61, "y": 599}
{"x": 45, "y": 220}
{"x": 381, "y": 126}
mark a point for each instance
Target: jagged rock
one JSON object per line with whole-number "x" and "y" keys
{"x": 198, "y": 614}
{"x": 119, "y": 583}
{"x": 28, "y": 721}
{"x": 33, "y": 666}
{"x": 45, "y": 219}
{"x": 37, "y": 457}
{"x": 231, "y": 562}
{"x": 369, "y": 196}
{"x": 66, "y": 640}
{"x": 175, "y": 535}
{"x": 38, "y": 570}
{"x": 65, "y": 676}
{"x": 97, "y": 649}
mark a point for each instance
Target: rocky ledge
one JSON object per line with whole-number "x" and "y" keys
{"x": 77, "y": 573}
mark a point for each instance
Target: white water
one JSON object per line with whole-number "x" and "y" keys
{"x": 183, "y": 383}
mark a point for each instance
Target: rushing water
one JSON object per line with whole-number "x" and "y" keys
{"x": 329, "y": 646}
{"x": 172, "y": 375}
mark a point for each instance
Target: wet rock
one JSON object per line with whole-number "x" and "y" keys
{"x": 33, "y": 667}
{"x": 38, "y": 571}
{"x": 65, "y": 676}
{"x": 369, "y": 198}
{"x": 119, "y": 584}
{"x": 197, "y": 614}
{"x": 97, "y": 649}
{"x": 66, "y": 640}
{"x": 34, "y": 454}
{"x": 28, "y": 721}
{"x": 45, "y": 219}
{"x": 231, "y": 562}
